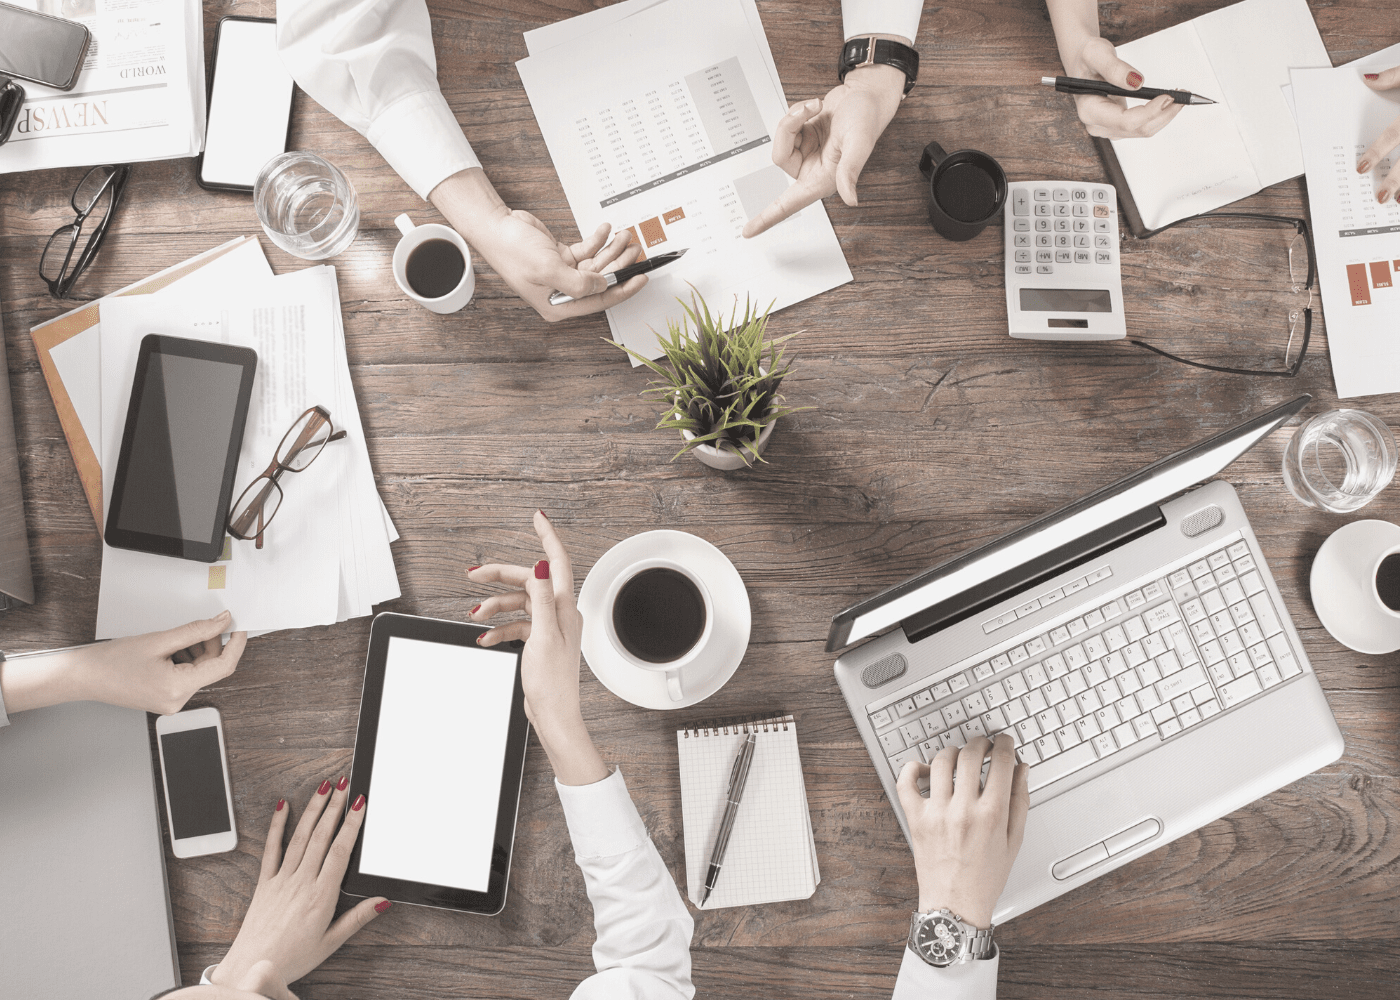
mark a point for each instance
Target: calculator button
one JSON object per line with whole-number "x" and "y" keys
{"x": 1042, "y": 240}
{"x": 1062, "y": 210}
{"x": 1045, "y": 269}
{"x": 1020, "y": 202}
{"x": 1043, "y": 225}
{"x": 1042, "y": 210}
{"x": 1062, "y": 256}
{"x": 1081, "y": 210}
{"x": 1081, "y": 194}
{"x": 1023, "y": 225}
{"x": 1023, "y": 256}
{"x": 1042, "y": 194}
{"x": 1101, "y": 211}
{"x": 1100, "y": 194}
{"x": 1024, "y": 239}
{"x": 1044, "y": 256}
{"x": 1081, "y": 225}
{"x": 1100, "y": 225}
{"x": 1081, "y": 256}
{"x": 1062, "y": 240}
{"x": 1103, "y": 257}
{"x": 1023, "y": 269}
{"x": 1081, "y": 241}
{"x": 1061, "y": 225}
{"x": 1101, "y": 241}
{"x": 1062, "y": 194}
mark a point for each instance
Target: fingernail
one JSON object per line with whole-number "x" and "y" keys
{"x": 340, "y": 785}
{"x": 222, "y": 615}
{"x": 384, "y": 906}
{"x": 325, "y": 787}
{"x": 542, "y": 570}
{"x": 358, "y": 804}
{"x": 280, "y": 804}
{"x": 542, "y": 514}
{"x": 814, "y": 105}
{"x": 1383, "y": 195}
{"x": 473, "y": 569}
{"x": 480, "y": 637}
{"x": 473, "y": 610}
{"x": 1134, "y": 79}
{"x": 1363, "y": 166}
{"x": 1373, "y": 76}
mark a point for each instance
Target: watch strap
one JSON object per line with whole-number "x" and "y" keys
{"x": 868, "y": 51}
{"x": 979, "y": 945}
{"x": 979, "y": 939}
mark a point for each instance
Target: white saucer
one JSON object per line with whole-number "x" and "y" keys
{"x": 1343, "y": 593}
{"x": 729, "y": 638}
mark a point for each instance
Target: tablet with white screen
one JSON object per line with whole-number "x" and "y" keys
{"x": 439, "y": 755}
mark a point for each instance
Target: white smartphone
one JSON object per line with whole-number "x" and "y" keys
{"x": 250, "y": 105}
{"x": 194, "y": 770}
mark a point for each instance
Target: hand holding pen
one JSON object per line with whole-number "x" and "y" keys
{"x": 1109, "y": 117}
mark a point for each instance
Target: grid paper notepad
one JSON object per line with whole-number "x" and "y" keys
{"x": 772, "y": 854}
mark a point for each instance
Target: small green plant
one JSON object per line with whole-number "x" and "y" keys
{"x": 716, "y": 383}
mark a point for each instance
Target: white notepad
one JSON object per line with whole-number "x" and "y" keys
{"x": 772, "y": 854}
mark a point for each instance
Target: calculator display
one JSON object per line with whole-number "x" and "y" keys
{"x": 1065, "y": 300}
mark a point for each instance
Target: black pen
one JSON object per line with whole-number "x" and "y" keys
{"x": 1074, "y": 85}
{"x": 737, "y": 779}
{"x": 626, "y": 273}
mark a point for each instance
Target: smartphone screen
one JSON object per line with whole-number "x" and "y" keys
{"x": 439, "y": 757}
{"x": 194, "y": 783}
{"x": 47, "y": 50}
{"x": 249, "y": 105}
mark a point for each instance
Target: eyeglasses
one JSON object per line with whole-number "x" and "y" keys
{"x": 1302, "y": 275}
{"x": 259, "y": 503}
{"x": 95, "y": 202}
{"x": 11, "y": 101}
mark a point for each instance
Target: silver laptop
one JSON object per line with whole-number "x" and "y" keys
{"x": 1135, "y": 646}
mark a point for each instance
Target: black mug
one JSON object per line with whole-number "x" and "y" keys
{"x": 966, "y": 190}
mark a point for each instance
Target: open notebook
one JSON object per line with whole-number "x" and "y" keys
{"x": 1212, "y": 155}
{"x": 772, "y": 855}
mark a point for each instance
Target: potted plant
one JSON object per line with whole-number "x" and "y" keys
{"x": 721, "y": 382}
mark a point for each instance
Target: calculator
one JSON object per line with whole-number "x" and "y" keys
{"x": 1062, "y": 275}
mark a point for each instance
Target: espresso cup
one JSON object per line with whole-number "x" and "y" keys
{"x": 659, "y": 617}
{"x": 967, "y": 190}
{"x": 1385, "y": 582}
{"x": 433, "y": 266}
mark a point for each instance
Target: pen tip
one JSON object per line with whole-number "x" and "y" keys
{"x": 1198, "y": 99}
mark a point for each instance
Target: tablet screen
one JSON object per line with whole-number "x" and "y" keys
{"x": 444, "y": 716}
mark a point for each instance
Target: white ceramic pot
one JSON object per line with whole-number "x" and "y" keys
{"x": 728, "y": 457}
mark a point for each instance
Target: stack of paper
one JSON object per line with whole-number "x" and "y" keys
{"x": 326, "y": 557}
{"x": 674, "y": 142}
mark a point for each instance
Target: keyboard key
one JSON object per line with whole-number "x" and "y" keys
{"x": 1115, "y": 638}
{"x": 982, "y": 671}
{"x": 1168, "y": 729}
{"x": 1075, "y": 683}
{"x": 1244, "y": 564}
{"x": 1034, "y": 702}
{"x": 975, "y": 703}
{"x": 1240, "y": 689}
{"x": 1148, "y": 673}
{"x": 994, "y": 721}
{"x": 954, "y": 714}
{"x": 1061, "y": 765}
{"x": 958, "y": 682}
{"x": 1102, "y": 573}
{"x": 1087, "y": 728}
{"x": 1068, "y": 737}
{"x": 893, "y": 742}
{"x": 1048, "y": 720}
{"x": 1125, "y": 735}
{"x": 1076, "y": 627}
{"x": 1202, "y": 694}
{"x": 1239, "y": 664}
{"x": 1062, "y": 194}
{"x": 1218, "y": 559}
{"x": 1059, "y": 635}
{"x": 1147, "y": 699}
{"x": 1221, "y": 672}
{"x": 1101, "y": 242}
{"x": 1127, "y": 708}
{"x": 924, "y": 699}
{"x": 1232, "y": 592}
{"x": 1051, "y": 597}
{"x": 930, "y": 748}
{"x": 1094, "y": 647}
{"x": 903, "y": 757}
{"x": 1231, "y": 643}
{"x": 1015, "y": 685}
{"x": 934, "y": 723}
{"x": 1035, "y": 646}
{"x": 1108, "y": 691}
{"x": 1134, "y": 599}
{"x": 1183, "y": 703}
{"x": 1168, "y": 664}
{"x": 1055, "y": 666}
{"x": 913, "y": 733}
{"x": 941, "y": 690}
{"x": 1035, "y": 675}
{"x": 1102, "y": 256}
{"x": 1014, "y": 710}
{"x": 1028, "y": 754}
{"x": 1107, "y": 718}
{"x": 973, "y": 728}
{"x": 1190, "y": 717}
{"x": 1018, "y": 654}
{"x": 906, "y": 707}
{"x": 1144, "y": 726}
{"x": 1093, "y": 619}
{"x": 1134, "y": 629}
{"x": 1063, "y": 257}
{"x": 1241, "y": 613}
{"x": 1213, "y": 602}
{"x": 1045, "y": 746}
{"x": 1211, "y": 652}
{"x": 1075, "y": 586}
{"x": 1180, "y": 682}
{"x": 1000, "y": 662}
{"x": 1128, "y": 682}
{"x": 880, "y": 719}
{"x": 1111, "y": 610}
{"x": 1225, "y": 574}
{"x": 1095, "y": 673}
{"x": 1269, "y": 675}
{"x": 1199, "y": 569}
{"x": 1251, "y": 634}
{"x": 1179, "y": 579}
{"x": 1103, "y": 744}
{"x": 1238, "y": 551}
{"x": 1154, "y": 645}
{"x": 1259, "y": 655}
{"x": 1194, "y": 611}
{"x": 1134, "y": 654}
{"x": 1210, "y": 708}
{"x": 1186, "y": 593}
{"x": 995, "y": 694}
{"x": 1264, "y": 614}
{"x": 1075, "y": 656}
{"x": 1115, "y": 663}
{"x": 1055, "y": 692}
{"x": 1027, "y": 729}
{"x": 1221, "y": 622}
{"x": 954, "y": 738}
{"x": 1160, "y": 617}
{"x": 1152, "y": 591}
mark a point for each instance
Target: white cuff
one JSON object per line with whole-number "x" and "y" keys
{"x": 420, "y": 138}
{"x": 970, "y": 981}
{"x": 4, "y": 719}
{"x": 881, "y": 17}
{"x": 204, "y": 979}
{"x": 602, "y": 818}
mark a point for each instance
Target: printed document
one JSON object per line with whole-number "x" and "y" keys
{"x": 1357, "y": 239}
{"x": 674, "y": 143}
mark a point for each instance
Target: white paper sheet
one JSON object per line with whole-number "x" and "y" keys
{"x": 675, "y": 141}
{"x": 1357, "y": 240}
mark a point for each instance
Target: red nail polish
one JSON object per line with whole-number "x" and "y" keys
{"x": 1134, "y": 79}
{"x": 473, "y": 569}
{"x": 474, "y": 610}
{"x": 340, "y": 785}
{"x": 280, "y": 804}
{"x": 542, "y": 514}
{"x": 542, "y": 570}
{"x": 325, "y": 787}
{"x": 358, "y": 804}
{"x": 1363, "y": 166}
{"x": 1373, "y": 76}
{"x": 384, "y": 906}
{"x": 480, "y": 637}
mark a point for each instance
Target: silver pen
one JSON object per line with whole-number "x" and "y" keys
{"x": 626, "y": 273}
{"x": 738, "y": 777}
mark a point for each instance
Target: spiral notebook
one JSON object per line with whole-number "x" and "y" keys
{"x": 772, "y": 854}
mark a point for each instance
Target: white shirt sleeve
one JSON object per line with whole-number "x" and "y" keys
{"x": 4, "y": 719}
{"x": 881, "y": 17}
{"x": 643, "y": 926}
{"x": 371, "y": 64}
{"x": 970, "y": 981}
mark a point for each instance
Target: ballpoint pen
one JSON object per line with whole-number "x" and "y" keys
{"x": 737, "y": 779}
{"x": 1074, "y": 85}
{"x": 626, "y": 273}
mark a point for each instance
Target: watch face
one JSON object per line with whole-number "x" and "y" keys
{"x": 940, "y": 939}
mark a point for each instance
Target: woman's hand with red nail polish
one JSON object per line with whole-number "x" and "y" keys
{"x": 288, "y": 929}
{"x": 1388, "y": 186}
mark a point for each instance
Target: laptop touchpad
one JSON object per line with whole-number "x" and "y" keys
{"x": 1102, "y": 851}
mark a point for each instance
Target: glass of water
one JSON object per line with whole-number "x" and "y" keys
{"x": 306, "y": 206}
{"x": 1340, "y": 460}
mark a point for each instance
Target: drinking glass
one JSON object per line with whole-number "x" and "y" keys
{"x": 306, "y": 206}
{"x": 1340, "y": 460}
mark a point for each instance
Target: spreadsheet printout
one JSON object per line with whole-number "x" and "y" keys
{"x": 673, "y": 141}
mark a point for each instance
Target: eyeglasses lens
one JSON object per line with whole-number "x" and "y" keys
{"x": 96, "y": 183}
{"x": 255, "y": 508}
{"x": 304, "y": 442}
{"x": 51, "y": 264}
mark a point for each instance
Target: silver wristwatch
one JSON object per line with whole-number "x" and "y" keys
{"x": 941, "y": 939}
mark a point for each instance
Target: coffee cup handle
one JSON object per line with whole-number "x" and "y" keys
{"x": 673, "y": 685}
{"x": 406, "y": 225}
{"x": 933, "y": 156}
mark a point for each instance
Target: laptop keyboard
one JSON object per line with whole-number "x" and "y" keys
{"x": 1146, "y": 666}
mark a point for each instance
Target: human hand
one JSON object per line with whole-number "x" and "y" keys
{"x": 549, "y": 666}
{"x": 1110, "y": 117}
{"x": 1386, "y": 141}
{"x": 824, "y": 143}
{"x": 966, "y": 838}
{"x": 287, "y": 931}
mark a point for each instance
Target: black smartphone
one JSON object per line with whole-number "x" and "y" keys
{"x": 250, "y": 105}
{"x": 41, "y": 48}
{"x": 184, "y": 430}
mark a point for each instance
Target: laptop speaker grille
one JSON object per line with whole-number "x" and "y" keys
{"x": 884, "y": 671}
{"x": 1202, "y": 521}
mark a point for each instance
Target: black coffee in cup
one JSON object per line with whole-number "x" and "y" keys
{"x": 1388, "y": 581}
{"x": 659, "y": 615}
{"x": 966, "y": 192}
{"x": 434, "y": 268}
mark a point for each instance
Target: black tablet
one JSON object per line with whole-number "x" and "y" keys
{"x": 439, "y": 754}
{"x": 184, "y": 429}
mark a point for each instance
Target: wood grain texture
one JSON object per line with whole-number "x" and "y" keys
{"x": 932, "y": 431}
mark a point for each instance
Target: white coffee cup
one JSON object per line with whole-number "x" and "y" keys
{"x": 671, "y": 668}
{"x": 415, "y": 236}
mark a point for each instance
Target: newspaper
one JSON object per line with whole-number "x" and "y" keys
{"x": 140, "y": 96}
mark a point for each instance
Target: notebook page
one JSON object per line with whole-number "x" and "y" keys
{"x": 1199, "y": 161}
{"x": 771, "y": 850}
{"x": 1251, "y": 46}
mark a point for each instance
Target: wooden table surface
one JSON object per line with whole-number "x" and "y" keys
{"x": 932, "y": 430}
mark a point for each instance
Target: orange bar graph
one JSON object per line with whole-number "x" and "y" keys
{"x": 1380, "y": 274}
{"x": 1360, "y": 290}
{"x": 652, "y": 233}
{"x": 637, "y": 242}
{"x": 674, "y": 215}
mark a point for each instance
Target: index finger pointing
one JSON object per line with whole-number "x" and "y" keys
{"x": 797, "y": 197}
{"x": 561, "y": 571}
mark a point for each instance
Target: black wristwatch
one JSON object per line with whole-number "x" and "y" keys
{"x": 869, "y": 51}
